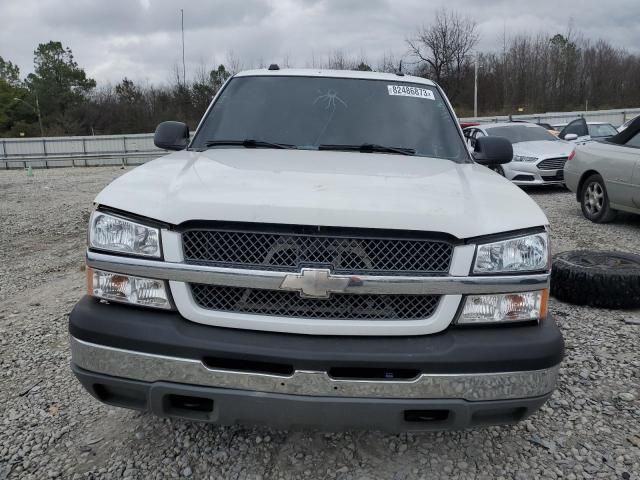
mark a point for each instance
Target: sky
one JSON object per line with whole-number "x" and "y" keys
{"x": 140, "y": 39}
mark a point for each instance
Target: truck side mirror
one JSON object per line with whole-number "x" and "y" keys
{"x": 492, "y": 151}
{"x": 171, "y": 136}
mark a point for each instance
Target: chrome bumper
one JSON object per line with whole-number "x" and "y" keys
{"x": 156, "y": 368}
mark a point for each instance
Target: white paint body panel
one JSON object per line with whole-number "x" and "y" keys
{"x": 346, "y": 189}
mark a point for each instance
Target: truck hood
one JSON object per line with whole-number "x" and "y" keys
{"x": 304, "y": 187}
{"x": 543, "y": 148}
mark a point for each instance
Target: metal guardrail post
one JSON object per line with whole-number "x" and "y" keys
{"x": 44, "y": 149}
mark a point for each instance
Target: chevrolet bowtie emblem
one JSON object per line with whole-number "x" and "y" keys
{"x": 315, "y": 283}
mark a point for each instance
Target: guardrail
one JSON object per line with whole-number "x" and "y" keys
{"x": 615, "y": 117}
{"x": 100, "y": 150}
{"x": 88, "y": 160}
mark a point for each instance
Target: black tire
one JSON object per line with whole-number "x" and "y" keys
{"x": 599, "y": 279}
{"x": 594, "y": 200}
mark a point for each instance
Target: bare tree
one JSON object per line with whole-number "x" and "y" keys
{"x": 442, "y": 49}
{"x": 234, "y": 64}
{"x": 337, "y": 61}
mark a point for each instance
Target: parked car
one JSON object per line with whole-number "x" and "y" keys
{"x": 538, "y": 156}
{"x": 324, "y": 251}
{"x": 605, "y": 175}
{"x": 581, "y": 131}
{"x": 549, "y": 128}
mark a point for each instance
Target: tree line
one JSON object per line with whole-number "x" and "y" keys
{"x": 531, "y": 73}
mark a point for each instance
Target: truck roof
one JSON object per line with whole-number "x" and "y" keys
{"x": 311, "y": 72}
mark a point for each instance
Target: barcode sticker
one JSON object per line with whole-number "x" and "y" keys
{"x": 405, "y": 91}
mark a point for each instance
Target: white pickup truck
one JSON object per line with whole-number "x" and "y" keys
{"x": 324, "y": 251}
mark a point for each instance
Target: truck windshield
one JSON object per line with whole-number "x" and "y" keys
{"x": 325, "y": 113}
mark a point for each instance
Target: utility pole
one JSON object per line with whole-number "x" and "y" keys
{"x": 39, "y": 116}
{"x": 475, "y": 88}
{"x": 184, "y": 70}
{"x": 36, "y": 109}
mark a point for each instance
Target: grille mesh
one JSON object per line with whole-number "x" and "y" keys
{"x": 552, "y": 163}
{"x": 337, "y": 306}
{"x": 291, "y": 251}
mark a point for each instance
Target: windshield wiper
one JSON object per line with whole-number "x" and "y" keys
{"x": 369, "y": 148}
{"x": 248, "y": 143}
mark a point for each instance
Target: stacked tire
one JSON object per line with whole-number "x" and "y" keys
{"x": 604, "y": 279}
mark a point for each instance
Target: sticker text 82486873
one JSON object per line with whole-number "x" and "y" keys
{"x": 406, "y": 91}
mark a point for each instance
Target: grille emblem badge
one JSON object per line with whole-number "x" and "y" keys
{"x": 315, "y": 283}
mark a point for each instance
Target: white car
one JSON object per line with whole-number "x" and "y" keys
{"x": 580, "y": 131}
{"x": 324, "y": 251}
{"x": 538, "y": 156}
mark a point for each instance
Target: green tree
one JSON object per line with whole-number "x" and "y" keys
{"x": 218, "y": 76}
{"x": 128, "y": 92}
{"x": 59, "y": 84}
{"x": 10, "y": 89}
{"x": 363, "y": 67}
{"x": 9, "y": 73}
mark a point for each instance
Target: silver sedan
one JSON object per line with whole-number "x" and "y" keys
{"x": 605, "y": 175}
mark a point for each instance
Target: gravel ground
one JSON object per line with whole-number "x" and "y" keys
{"x": 51, "y": 428}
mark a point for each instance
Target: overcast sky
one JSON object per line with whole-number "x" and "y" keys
{"x": 140, "y": 39}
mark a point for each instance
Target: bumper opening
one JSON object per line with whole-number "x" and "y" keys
{"x": 127, "y": 396}
{"x": 186, "y": 406}
{"x": 426, "y": 416}
{"x": 523, "y": 178}
{"x": 356, "y": 373}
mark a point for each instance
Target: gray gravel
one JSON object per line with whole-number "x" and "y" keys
{"x": 51, "y": 428}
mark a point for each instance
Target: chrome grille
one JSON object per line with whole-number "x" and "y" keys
{"x": 289, "y": 251}
{"x": 291, "y": 304}
{"x": 552, "y": 163}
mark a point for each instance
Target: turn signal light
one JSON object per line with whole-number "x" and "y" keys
{"x": 505, "y": 308}
{"x": 116, "y": 287}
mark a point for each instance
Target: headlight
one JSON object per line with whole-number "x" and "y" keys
{"x": 520, "y": 254}
{"x": 116, "y": 234}
{"x": 522, "y": 158}
{"x": 504, "y": 308}
{"x": 116, "y": 287}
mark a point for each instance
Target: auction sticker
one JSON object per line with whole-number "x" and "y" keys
{"x": 406, "y": 91}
